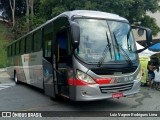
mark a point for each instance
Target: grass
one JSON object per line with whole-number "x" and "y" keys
{"x": 4, "y": 40}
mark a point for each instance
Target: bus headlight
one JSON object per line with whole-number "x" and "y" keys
{"x": 84, "y": 77}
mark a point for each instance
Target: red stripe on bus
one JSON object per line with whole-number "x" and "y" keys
{"x": 76, "y": 82}
{"x": 70, "y": 81}
{"x": 80, "y": 83}
{"x": 103, "y": 80}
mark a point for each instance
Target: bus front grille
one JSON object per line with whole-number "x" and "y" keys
{"x": 111, "y": 71}
{"x": 116, "y": 88}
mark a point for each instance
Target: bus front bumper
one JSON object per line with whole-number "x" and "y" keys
{"x": 93, "y": 92}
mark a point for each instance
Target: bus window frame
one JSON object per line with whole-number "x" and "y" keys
{"x": 13, "y": 49}
{"x": 29, "y": 38}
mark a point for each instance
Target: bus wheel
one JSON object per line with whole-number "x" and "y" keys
{"x": 16, "y": 78}
{"x": 56, "y": 98}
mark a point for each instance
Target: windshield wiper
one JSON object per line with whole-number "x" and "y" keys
{"x": 108, "y": 47}
{"x": 120, "y": 48}
{"x": 128, "y": 45}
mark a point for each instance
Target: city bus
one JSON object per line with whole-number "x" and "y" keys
{"x": 81, "y": 55}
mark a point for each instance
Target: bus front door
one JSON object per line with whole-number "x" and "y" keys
{"x": 62, "y": 63}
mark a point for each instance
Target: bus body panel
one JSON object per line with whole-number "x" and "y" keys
{"x": 49, "y": 78}
{"x": 93, "y": 92}
{"x": 28, "y": 68}
{"x": 35, "y": 69}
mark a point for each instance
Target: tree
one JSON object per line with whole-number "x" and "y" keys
{"x": 19, "y": 9}
{"x": 27, "y": 13}
{"x": 31, "y": 2}
{"x": 13, "y": 5}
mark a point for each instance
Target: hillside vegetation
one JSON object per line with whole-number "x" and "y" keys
{"x": 4, "y": 41}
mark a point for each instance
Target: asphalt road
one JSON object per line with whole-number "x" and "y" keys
{"x": 25, "y": 98}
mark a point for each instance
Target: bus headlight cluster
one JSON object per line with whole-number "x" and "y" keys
{"x": 84, "y": 77}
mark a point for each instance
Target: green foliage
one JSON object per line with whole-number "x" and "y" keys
{"x": 21, "y": 26}
{"x": 20, "y": 8}
{"x": 37, "y": 21}
{"x": 4, "y": 40}
{"x": 57, "y": 10}
{"x": 3, "y": 53}
{"x": 45, "y": 8}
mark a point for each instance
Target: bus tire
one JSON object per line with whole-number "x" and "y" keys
{"x": 56, "y": 98}
{"x": 16, "y": 78}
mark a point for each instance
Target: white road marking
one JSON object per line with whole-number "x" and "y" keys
{"x": 6, "y": 85}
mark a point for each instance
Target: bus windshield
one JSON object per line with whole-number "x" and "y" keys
{"x": 105, "y": 41}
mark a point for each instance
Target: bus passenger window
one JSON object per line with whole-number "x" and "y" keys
{"x": 47, "y": 36}
{"x": 62, "y": 46}
{"x": 17, "y": 48}
{"x": 47, "y": 44}
{"x": 13, "y": 49}
{"x": 37, "y": 41}
{"x": 48, "y": 48}
{"x": 22, "y": 44}
{"x": 9, "y": 51}
{"x": 28, "y": 44}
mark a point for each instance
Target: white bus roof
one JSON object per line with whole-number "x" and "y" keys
{"x": 94, "y": 14}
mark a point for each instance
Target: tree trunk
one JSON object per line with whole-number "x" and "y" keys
{"x": 32, "y": 12}
{"x": 27, "y": 14}
{"x": 13, "y": 11}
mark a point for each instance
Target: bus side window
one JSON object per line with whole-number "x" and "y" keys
{"x": 13, "y": 49}
{"x": 62, "y": 46}
{"x": 17, "y": 48}
{"x": 22, "y": 46}
{"x": 47, "y": 46}
{"x": 37, "y": 41}
{"x": 9, "y": 51}
{"x": 29, "y": 44}
{"x": 47, "y": 43}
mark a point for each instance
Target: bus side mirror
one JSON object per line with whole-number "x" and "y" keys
{"x": 149, "y": 36}
{"x": 75, "y": 34}
{"x": 144, "y": 33}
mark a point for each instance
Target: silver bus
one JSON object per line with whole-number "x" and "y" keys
{"x": 81, "y": 55}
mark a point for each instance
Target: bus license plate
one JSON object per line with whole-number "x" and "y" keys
{"x": 117, "y": 95}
